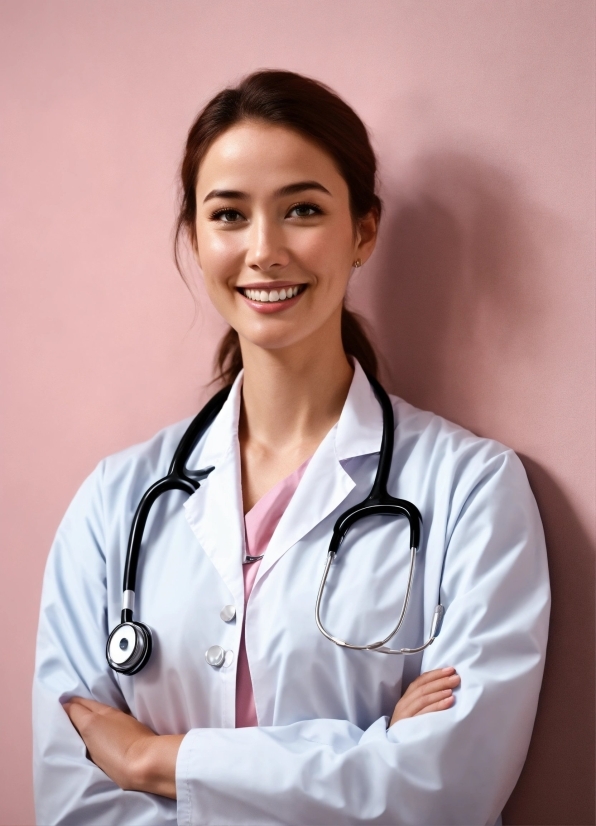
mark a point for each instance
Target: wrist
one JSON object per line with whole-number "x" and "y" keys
{"x": 154, "y": 765}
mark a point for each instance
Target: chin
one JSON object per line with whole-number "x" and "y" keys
{"x": 274, "y": 339}
{"x": 273, "y": 343}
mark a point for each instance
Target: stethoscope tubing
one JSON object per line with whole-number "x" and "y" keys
{"x": 139, "y": 521}
{"x": 379, "y": 502}
{"x": 179, "y": 477}
{"x": 372, "y": 646}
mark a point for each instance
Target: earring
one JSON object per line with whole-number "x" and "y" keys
{"x": 357, "y": 263}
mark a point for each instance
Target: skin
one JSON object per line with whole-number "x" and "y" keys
{"x": 273, "y": 211}
{"x": 296, "y": 374}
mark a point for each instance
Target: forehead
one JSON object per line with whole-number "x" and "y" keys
{"x": 260, "y": 154}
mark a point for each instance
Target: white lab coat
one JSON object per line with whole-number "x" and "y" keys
{"x": 322, "y": 753}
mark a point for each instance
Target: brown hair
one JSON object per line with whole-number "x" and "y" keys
{"x": 311, "y": 108}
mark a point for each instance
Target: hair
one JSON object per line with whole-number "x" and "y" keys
{"x": 312, "y": 109}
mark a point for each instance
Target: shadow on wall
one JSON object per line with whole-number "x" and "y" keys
{"x": 461, "y": 285}
{"x": 557, "y": 783}
{"x": 463, "y": 330}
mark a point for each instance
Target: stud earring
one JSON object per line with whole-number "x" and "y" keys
{"x": 357, "y": 263}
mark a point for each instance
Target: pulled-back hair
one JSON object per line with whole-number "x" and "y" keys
{"x": 315, "y": 111}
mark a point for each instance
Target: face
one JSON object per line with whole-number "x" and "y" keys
{"x": 275, "y": 238}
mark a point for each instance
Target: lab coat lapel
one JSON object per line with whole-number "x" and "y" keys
{"x": 214, "y": 512}
{"x": 325, "y": 484}
{"x": 322, "y": 489}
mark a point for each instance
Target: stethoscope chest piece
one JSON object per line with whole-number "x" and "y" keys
{"x": 129, "y": 647}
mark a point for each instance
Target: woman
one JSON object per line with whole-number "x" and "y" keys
{"x": 278, "y": 725}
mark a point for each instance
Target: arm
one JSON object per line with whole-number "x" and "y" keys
{"x": 70, "y": 661}
{"x": 458, "y": 767}
{"x": 137, "y": 759}
{"x": 128, "y": 752}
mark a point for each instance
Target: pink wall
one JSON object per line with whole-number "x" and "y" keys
{"x": 481, "y": 293}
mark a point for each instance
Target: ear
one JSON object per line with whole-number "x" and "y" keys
{"x": 366, "y": 235}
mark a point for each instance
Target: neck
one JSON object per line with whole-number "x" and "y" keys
{"x": 293, "y": 396}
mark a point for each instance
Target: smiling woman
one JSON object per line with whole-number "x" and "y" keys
{"x": 229, "y": 703}
{"x": 281, "y": 115}
{"x": 273, "y": 242}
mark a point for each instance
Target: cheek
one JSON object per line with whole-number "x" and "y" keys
{"x": 332, "y": 241}
{"x": 329, "y": 255}
{"x": 220, "y": 263}
{"x": 218, "y": 252}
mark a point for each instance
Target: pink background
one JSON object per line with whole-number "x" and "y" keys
{"x": 481, "y": 293}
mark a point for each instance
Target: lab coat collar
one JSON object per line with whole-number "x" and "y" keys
{"x": 360, "y": 426}
{"x": 224, "y": 430}
{"x": 358, "y": 432}
{"x": 215, "y": 511}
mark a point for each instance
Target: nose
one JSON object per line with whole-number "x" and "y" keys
{"x": 266, "y": 245}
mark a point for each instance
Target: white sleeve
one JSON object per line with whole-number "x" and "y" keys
{"x": 451, "y": 767}
{"x": 70, "y": 661}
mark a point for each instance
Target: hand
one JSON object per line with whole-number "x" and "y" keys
{"x": 132, "y": 755}
{"x": 432, "y": 691}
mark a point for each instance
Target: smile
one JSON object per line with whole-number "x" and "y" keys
{"x": 272, "y": 296}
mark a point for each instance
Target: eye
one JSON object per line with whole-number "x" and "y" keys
{"x": 305, "y": 210}
{"x": 227, "y": 216}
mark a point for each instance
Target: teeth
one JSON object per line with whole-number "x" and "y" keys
{"x": 271, "y": 295}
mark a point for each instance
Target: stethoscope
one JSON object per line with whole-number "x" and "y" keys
{"x": 129, "y": 645}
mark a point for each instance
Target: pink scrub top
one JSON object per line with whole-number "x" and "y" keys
{"x": 260, "y": 523}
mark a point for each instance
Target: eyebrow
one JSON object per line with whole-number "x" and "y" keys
{"x": 290, "y": 189}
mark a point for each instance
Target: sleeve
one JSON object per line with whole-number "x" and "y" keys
{"x": 70, "y": 661}
{"x": 457, "y": 766}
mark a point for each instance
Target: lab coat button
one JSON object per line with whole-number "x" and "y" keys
{"x": 215, "y": 656}
{"x": 227, "y": 613}
{"x": 228, "y": 659}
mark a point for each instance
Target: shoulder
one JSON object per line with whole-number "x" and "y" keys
{"x": 106, "y": 501}
{"x": 147, "y": 459}
{"x": 473, "y": 492}
{"x": 449, "y": 455}
{"x": 120, "y": 479}
{"x": 414, "y": 426}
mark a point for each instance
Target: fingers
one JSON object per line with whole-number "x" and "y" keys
{"x": 73, "y": 706}
{"x": 433, "y": 681}
{"x": 425, "y": 701}
{"x": 79, "y": 715}
{"x": 91, "y": 705}
{"x": 440, "y": 705}
{"x": 82, "y": 711}
{"x": 431, "y": 677}
{"x": 432, "y": 691}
